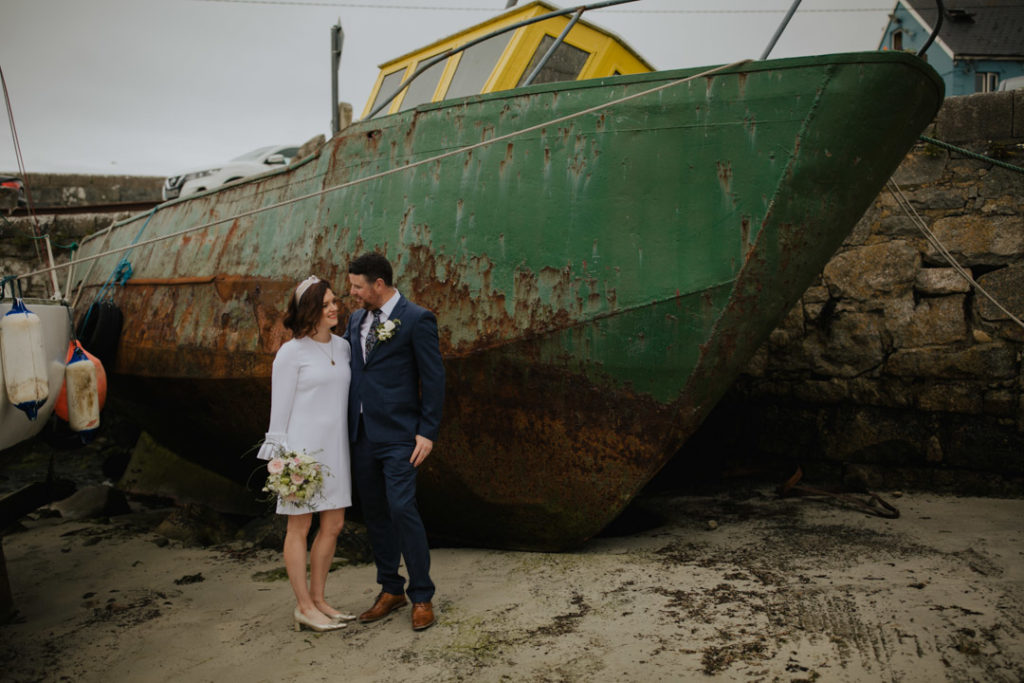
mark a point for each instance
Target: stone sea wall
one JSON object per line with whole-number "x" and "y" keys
{"x": 892, "y": 370}
{"x": 20, "y": 253}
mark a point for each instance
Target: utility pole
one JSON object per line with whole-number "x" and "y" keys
{"x": 337, "y": 40}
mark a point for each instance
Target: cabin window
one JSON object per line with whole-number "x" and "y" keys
{"x": 387, "y": 86}
{"x": 986, "y": 81}
{"x": 476, "y": 65}
{"x": 564, "y": 65}
{"x": 422, "y": 89}
{"x": 897, "y": 40}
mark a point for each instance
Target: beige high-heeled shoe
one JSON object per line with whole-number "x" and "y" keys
{"x": 301, "y": 620}
{"x": 341, "y": 617}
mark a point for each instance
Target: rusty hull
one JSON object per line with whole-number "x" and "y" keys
{"x": 598, "y": 283}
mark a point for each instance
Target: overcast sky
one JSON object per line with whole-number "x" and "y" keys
{"x": 158, "y": 86}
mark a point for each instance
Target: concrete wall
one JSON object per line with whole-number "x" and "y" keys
{"x": 892, "y": 370}
{"x": 73, "y": 189}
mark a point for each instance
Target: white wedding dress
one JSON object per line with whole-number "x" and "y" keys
{"x": 309, "y": 411}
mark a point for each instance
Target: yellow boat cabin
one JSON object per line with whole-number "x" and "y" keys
{"x": 500, "y": 60}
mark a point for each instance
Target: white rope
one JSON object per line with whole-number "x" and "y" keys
{"x": 911, "y": 212}
{"x": 382, "y": 174}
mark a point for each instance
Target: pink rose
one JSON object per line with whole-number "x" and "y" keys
{"x": 297, "y": 478}
{"x": 275, "y": 466}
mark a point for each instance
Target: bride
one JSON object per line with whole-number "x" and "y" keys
{"x": 308, "y": 412}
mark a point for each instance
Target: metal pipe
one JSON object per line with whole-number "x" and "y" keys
{"x": 511, "y": 27}
{"x": 780, "y": 29}
{"x": 935, "y": 31}
{"x": 337, "y": 40}
{"x": 53, "y": 273}
{"x": 554, "y": 46}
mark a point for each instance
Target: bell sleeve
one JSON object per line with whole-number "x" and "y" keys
{"x": 284, "y": 379}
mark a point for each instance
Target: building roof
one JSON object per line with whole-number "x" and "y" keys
{"x": 976, "y": 28}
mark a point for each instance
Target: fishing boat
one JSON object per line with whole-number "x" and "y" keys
{"x": 604, "y": 255}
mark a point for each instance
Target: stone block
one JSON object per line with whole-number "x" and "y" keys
{"x": 979, "y": 361}
{"x": 875, "y": 435}
{"x": 999, "y": 403}
{"x": 925, "y": 164}
{"x": 982, "y": 116}
{"x": 874, "y": 391}
{"x": 1004, "y": 206}
{"x": 816, "y": 294}
{"x": 939, "y": 281}
{"x": 950, "y": 398}
{"x": 934, "y": 321}
{"x": 853, "y": 345}
{"x": 978, "y": 240}
{"x": 937, "y": 198}
{"x": 156, "y": 471}
{"x": 1002, "y": 183}
{"x": 831, "y": 390}
{"x": 898, "y": 225}
{"x": 1018, "y": 113}
{"x": 1006, "y": 286}
{"x": 864, "y": 227}
{"x": 886, "y": 269}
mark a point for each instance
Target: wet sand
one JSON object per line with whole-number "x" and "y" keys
{"x": 780, "y": 590}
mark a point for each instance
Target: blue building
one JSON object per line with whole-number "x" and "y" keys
{"x": 980, "y": 44}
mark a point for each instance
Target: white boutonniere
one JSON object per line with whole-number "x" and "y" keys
{"x": 387, "y": 329}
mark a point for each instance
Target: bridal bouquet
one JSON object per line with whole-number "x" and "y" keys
{"x": 294, "y": 477}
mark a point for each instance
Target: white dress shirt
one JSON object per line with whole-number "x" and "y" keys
{"x": 385, "y": 314}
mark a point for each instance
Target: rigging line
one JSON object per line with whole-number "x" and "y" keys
{"x": 972, "y": 155}
{"x": 415, "y": 164}
{"x": 915, "y": 217}
{"x": 20, "y": 160}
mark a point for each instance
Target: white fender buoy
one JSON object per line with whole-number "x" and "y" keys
{"x": 83, "y": 393}
{"x": 24, "y": 360}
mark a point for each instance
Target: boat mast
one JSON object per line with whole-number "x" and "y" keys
{"x": 337, "y": 40}
{"x": 780, "y": 29}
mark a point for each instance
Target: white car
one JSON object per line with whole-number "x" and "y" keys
{"x": 1015, "y": 83}
{"x": 252, "y": 163}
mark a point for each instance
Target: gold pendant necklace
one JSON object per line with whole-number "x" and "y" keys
{"x": 330, "y": 356}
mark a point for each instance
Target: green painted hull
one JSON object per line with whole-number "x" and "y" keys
{"x": 598, "y": 282}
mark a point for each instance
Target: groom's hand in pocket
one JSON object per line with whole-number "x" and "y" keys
{"x": 421, "y": 451}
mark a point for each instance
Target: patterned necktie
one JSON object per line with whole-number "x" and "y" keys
{"x": 371, "y": 335}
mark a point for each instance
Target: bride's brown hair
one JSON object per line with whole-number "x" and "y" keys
{"x": 303, "y": 317}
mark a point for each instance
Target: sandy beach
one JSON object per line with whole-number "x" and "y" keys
{"x": 739, "y": 586}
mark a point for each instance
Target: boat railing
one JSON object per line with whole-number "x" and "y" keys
{"x": 578, "y": 11}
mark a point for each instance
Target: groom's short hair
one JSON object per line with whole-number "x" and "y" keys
{"x": 371, "y": 266}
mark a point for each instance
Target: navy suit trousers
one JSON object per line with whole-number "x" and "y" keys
{"x": 386, "y": 483}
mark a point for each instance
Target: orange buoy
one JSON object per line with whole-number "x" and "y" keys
{"x": 61, "y": 407}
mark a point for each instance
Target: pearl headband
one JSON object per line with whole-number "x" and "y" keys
{"x": 304, "y": 285}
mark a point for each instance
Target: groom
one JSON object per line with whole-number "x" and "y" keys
{"x": 394, "y": 412}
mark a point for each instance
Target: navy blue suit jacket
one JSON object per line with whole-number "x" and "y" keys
{"x": 400, "y": 386}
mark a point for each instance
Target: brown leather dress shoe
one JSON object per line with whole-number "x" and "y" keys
{"x": 386, "y": 604}
{"x": 422, "y": 615}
